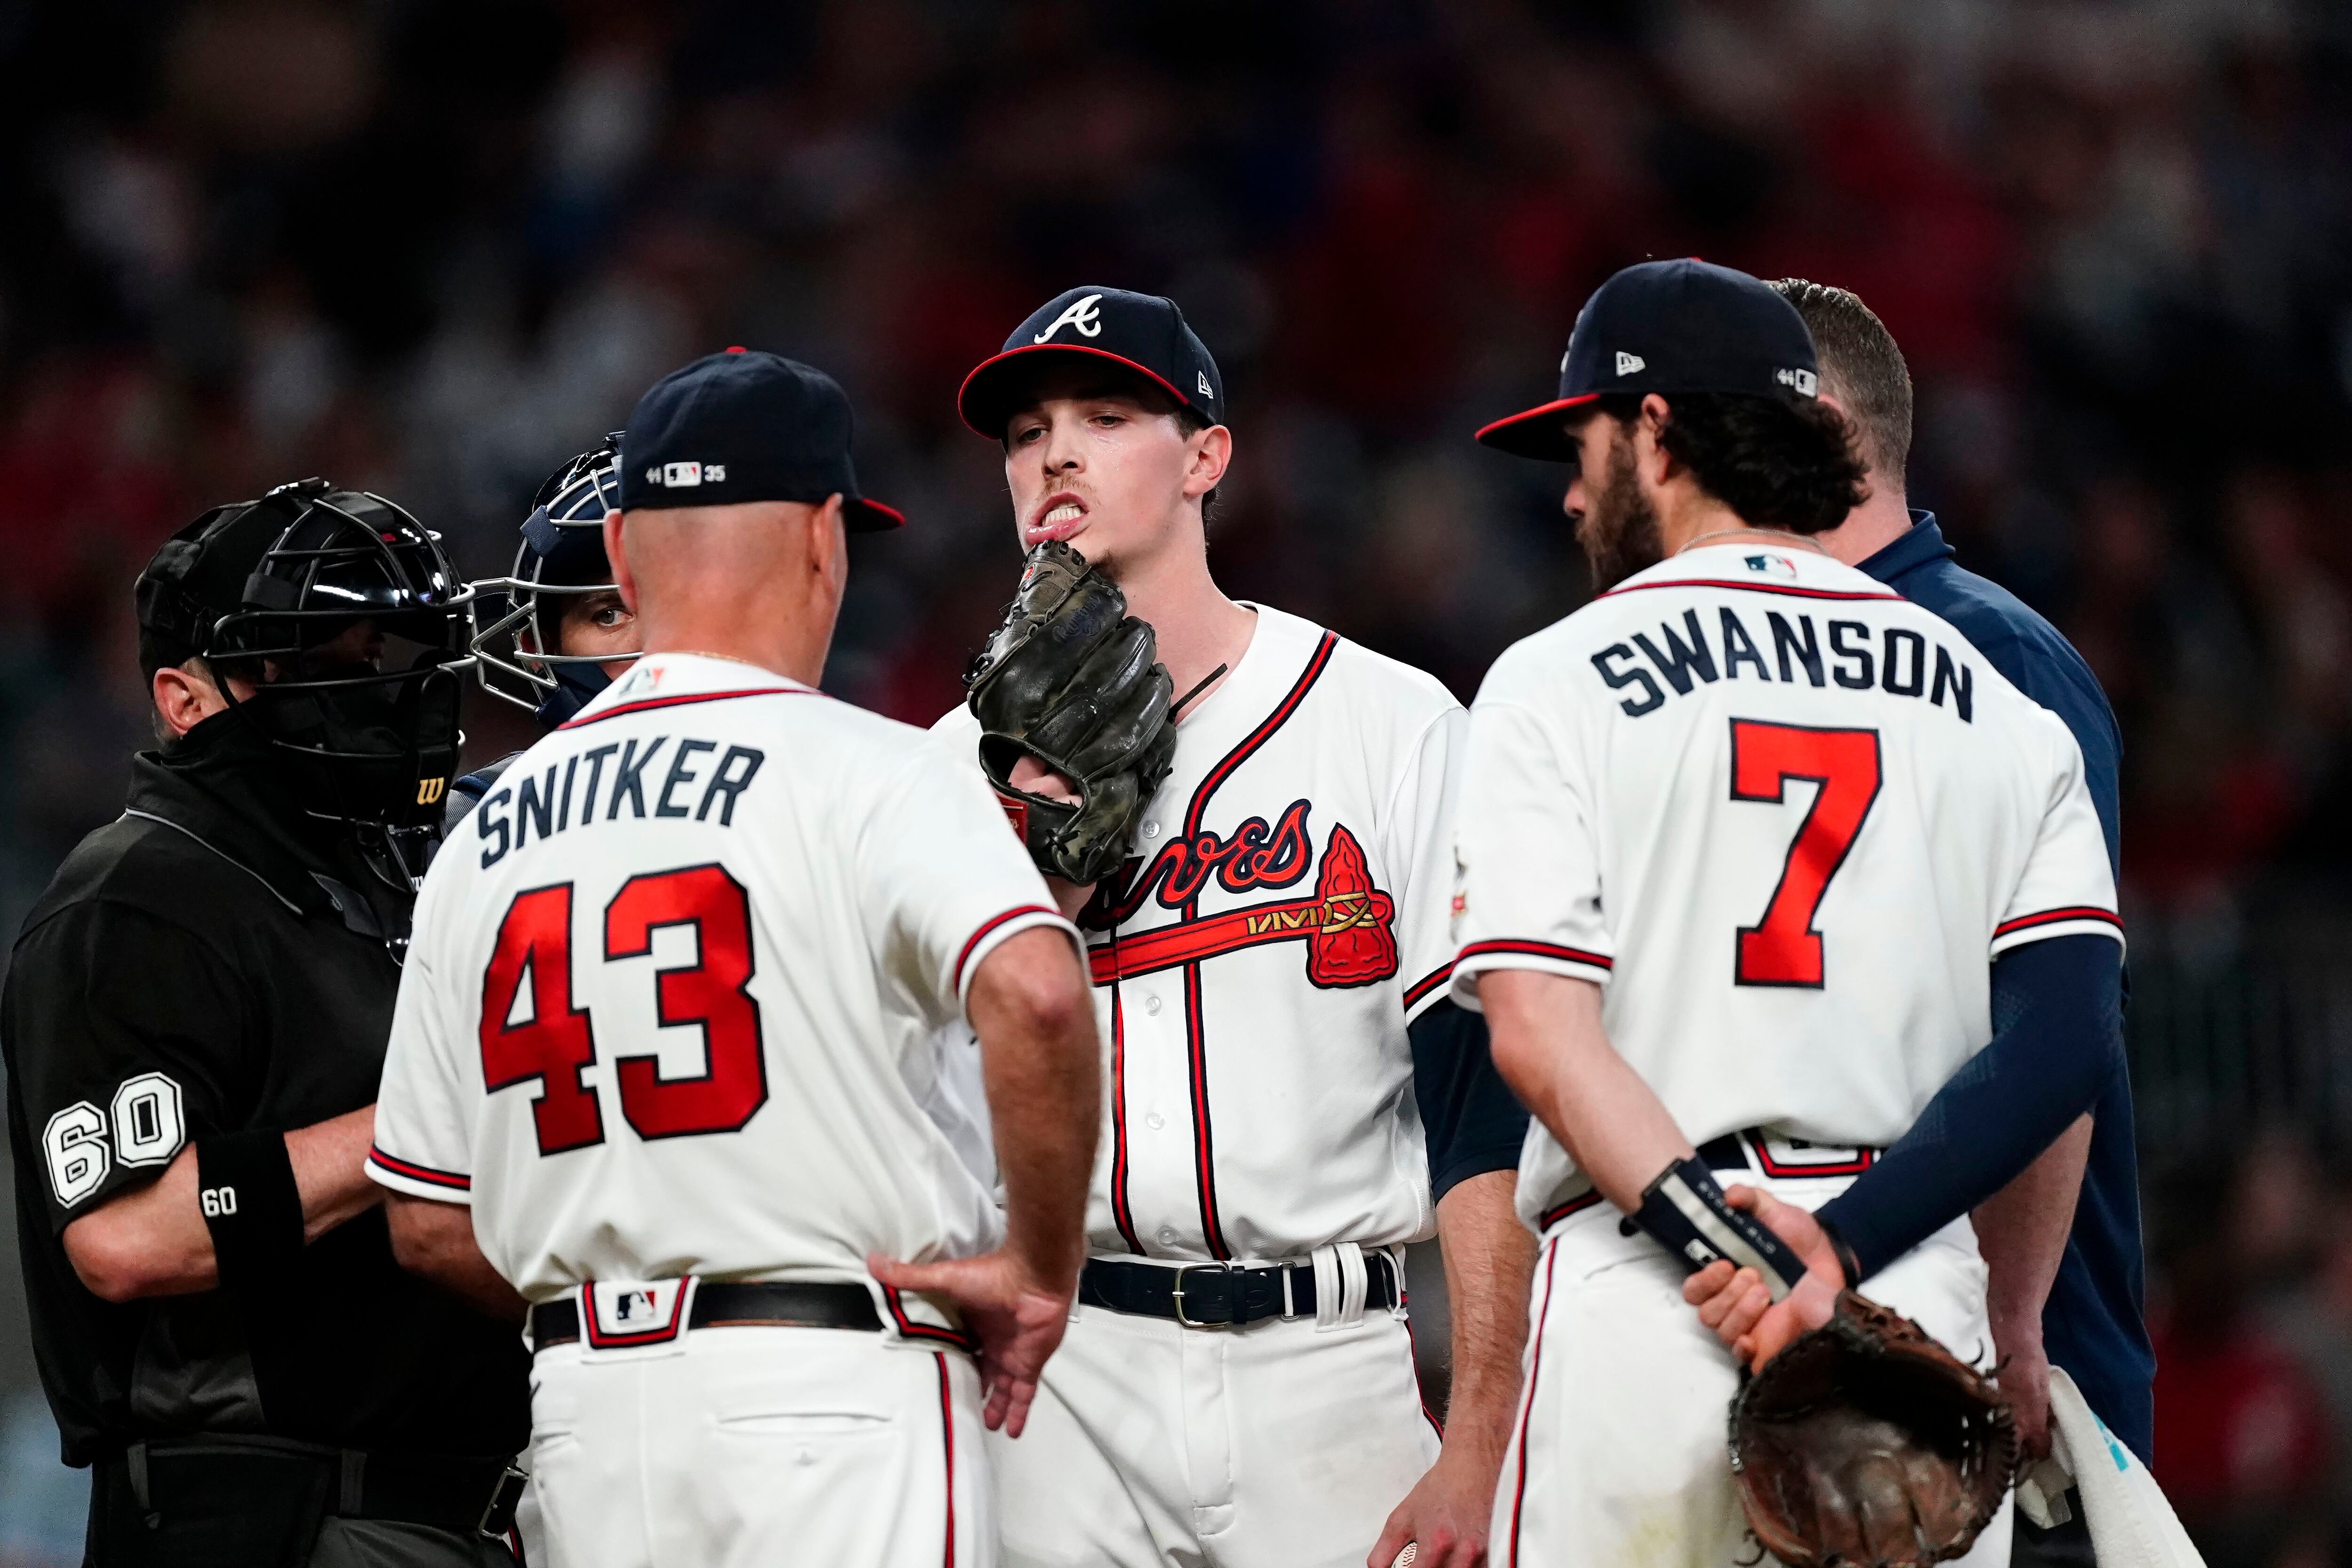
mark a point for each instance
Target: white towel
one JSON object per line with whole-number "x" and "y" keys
{"x": 2132, "y": 1524}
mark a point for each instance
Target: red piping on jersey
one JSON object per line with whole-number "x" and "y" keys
{"x": 910, "y": 1330}
{"x": 1528, "y": 1410}
{"x": 1538, "y": 950}
{"x": 947, "y": 1436}
{"x": 1204, "y": 1146}
{"x": 1253, "y": 926}
{"x": 1118, "y": 1210}
{"x": 2053, "y": 917}
{"x": 1750, "y": 588}
{"x": 683, "y": 698}
{"x": 1558, "y": 1212}
{"x": 457, "y": 1182}
{"x": 1427, "y": 984}
{"x": 963, "y": 955}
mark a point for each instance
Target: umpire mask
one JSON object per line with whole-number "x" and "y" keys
{"x": 347, "y": 634}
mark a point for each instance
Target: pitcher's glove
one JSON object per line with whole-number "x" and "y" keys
{"x": 1865, "y": 1444}
{"x": 1070, "y": 679}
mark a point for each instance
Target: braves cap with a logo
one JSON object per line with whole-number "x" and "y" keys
{"x": 739, "y": 426}
{"x": 1669, "y": 327}
{"x": 1145, "y": 333}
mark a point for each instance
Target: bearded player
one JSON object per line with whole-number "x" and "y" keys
{"x": 1291, "y": 1097}
{"x": 664, "y": 1064}
{"x": 1757, "y": 858}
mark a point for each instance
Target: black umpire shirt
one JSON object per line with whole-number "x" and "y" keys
{"x": 207, "y": 964}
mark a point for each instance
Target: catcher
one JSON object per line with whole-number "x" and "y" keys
{"x": 1784, "y": 906}
{"x": 1257, "y": 816}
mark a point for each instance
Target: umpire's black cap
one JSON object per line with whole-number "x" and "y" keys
{"x": 1145, "y": 333}
{"x": 1669, "y": 327}
{"x": 744, "y": 425}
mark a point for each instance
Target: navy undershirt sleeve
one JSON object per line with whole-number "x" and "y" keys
{"x": 1469, "y": 1115}
{"x": 2057, "y": 1018}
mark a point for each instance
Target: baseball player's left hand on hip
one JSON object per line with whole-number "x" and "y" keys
{"x": 1017, "y": 1317}
{"x": 1445, "y": 1514}
{"x": 1734, "y": 1303}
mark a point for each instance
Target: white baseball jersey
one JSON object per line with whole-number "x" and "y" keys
{"x": 1786, "y": 818}
{"x": 1255, "y": 965}
{"x": 672, "y": 1001}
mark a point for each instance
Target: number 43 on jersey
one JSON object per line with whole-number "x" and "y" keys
{"x": 558, "y": 1041}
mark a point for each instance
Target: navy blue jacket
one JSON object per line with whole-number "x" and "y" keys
{"x": 2092, "y": 1324}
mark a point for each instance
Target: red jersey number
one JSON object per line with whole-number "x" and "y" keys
{"x": 1783, "y": 948}
{"x": 557, "y": 1041}
{"x": 535, "y": 941}
{"x": 711, "y": 994}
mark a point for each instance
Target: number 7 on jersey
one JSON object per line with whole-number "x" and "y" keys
{"x": 1783, "y": 948}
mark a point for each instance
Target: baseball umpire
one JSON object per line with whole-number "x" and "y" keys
{"x": 194, "y": 1029}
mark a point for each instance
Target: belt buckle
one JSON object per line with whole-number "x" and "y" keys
{"x": 1177, "y": 1292}
{"x": 498, "y": 1514}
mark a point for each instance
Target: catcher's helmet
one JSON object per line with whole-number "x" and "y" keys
{"x": 515, "y": 617}
{"x": 346, "y": 620}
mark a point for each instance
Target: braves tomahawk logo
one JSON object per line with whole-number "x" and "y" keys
{"x": 1347, "y": 924}
{"x": 1084, "y": 314}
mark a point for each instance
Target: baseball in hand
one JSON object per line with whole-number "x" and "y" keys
{"x": 1404, "y": 1559}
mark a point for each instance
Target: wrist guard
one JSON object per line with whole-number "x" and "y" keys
{"x": 1685, "y": 1213}
{"x": 245, "y": 1183}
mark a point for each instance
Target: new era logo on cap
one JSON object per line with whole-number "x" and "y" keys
{"x": 1805, "y": 382}
{"x": 1627, "y": 364}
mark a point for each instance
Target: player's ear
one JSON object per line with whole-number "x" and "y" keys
{"x": 828, "y": 539}
{"x": 1649, "y": 421}
{"x": 1212, "y": 450}
{"x": 621, "y": 579}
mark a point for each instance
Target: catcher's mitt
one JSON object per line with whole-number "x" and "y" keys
{"x": 1069, "y": 679}
{"x": 1865, "y": 1444}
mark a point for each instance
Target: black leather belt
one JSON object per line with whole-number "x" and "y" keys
{"x": 182, "y": 1477}
{"x": 1724, "y": 1153}
{"x": 1218, "y": 1295}
{"x": 1749, "y": 1150}
{"x": 721, "y": 1304}
{"x": 1746, "y": 1151}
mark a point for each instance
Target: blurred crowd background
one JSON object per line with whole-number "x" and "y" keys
{"x": 430, "y": 247}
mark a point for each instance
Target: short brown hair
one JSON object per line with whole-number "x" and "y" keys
{"x": 1863, "y": 367}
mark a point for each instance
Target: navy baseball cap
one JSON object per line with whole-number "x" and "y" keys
{"x": 1144, "y": 332}
{"x": 744, "y": 425}
{"x": 1669, "y": 327}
